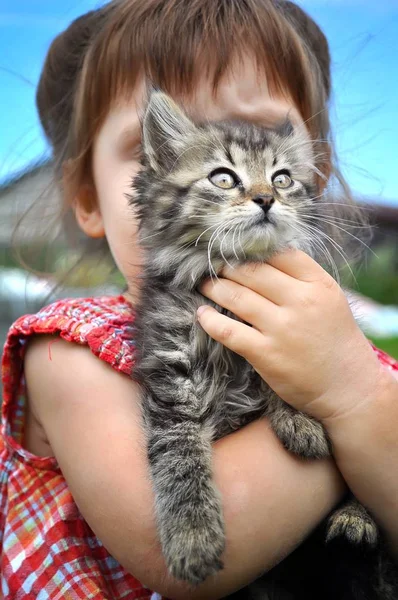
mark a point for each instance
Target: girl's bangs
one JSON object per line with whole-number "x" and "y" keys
{"x": 174, "y": 44}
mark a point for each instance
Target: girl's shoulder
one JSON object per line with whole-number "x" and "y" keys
{"x": 105, "y": 324}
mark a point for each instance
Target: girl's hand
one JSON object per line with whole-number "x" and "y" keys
{"x": 304, "y": 341}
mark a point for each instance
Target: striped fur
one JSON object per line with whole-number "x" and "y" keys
{"x": 194, "y": 389}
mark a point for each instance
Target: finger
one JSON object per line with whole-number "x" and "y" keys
{"x": 236, "y": 336}
{"x": 241, "y": 301}
{"x": 298, "y": 264}
{"x": 266, "y": 280}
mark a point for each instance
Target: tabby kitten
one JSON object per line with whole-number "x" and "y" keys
{"x": 209, "y": 195}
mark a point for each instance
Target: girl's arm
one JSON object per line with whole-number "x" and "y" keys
{"x": 91, "y": 416}
{"x": 365, "y": 446}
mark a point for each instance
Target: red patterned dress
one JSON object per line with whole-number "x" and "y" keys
{"x": 47, "y": 550}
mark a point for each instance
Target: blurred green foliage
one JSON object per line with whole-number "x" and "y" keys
{"x": 377, "y": 278}
{"x": 59, "y": 264}
{"x": 35, "y": 254}
{"x": 389, "y": 345}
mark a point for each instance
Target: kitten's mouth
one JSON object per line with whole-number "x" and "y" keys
{"x": 261, "y": 221}
{"x": 265, "y": 219}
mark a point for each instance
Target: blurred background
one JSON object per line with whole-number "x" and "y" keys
{"x": 363, "y": 36}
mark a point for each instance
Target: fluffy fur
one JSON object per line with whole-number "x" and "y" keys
{"x": 209, "y": 195}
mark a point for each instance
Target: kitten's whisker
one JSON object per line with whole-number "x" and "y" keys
{"x": 207, "y": 201}
{"x": 309, "y": 201}
{"x": 309, "y": 204}
{"x": 308, "y": 141}
{"x": 298, "y": 144}
{"x": 239, "y": 239}
{"x": 324, "y": 249}
{"x": 349, "y": 205}
{"x": 313, "y": 238}
{"x": 320, "y": 231}
{"x": 283, "y": 147}
{"x": 321, "y": 155}
{"x": 145, "y": 238}
{"x": 211, "y": 270}
{"x": 332, "y": 219}
{"x": 335, "y": 245}
{"x": 355, "y": 238}
{"x": 210, "y": 245}
{"x": 315, "y": 115}
{"x": 222, "y": 241}
{"x": 315, "y": 169}
{"x": 332, "y": 209}
{"x": 188, "y": 244}
{"x": 314, "y": 228}
{"x": 233, "y": 241}
{"x": 329, "y": 258}
{"x": 208, "y": 229}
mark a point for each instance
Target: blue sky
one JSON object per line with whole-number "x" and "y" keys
{"x": 363, "y": 35}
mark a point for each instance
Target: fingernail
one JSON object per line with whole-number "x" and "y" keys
{"x": 201, "y": 310}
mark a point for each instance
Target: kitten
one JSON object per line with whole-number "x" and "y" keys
{"x": 210, "y": 195}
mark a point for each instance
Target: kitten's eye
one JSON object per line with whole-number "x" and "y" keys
{"x": 282, "y": 180}
{"x": 224, "y": 178}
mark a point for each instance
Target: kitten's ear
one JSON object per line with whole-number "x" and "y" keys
{"x": 285, "y": 129}
{"x": 165, "y": 132}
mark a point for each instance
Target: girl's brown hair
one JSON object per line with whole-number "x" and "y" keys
{"x": 99, "y": 58}
{"x": 101, "y": 55}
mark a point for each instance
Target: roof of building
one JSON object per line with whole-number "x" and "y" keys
{"x": 26, "y": 172}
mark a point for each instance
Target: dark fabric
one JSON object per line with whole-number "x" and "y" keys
{"x": 334, "y": 571}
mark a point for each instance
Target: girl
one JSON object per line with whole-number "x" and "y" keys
{"x": 76, "y": 500}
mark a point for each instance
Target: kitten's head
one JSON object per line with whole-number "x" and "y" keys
{"x": 221, "y": 192}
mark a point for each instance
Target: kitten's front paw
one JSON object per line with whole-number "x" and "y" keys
{"x": 354, "y": 523}
{"x": 193, "y": 541}
{"x": 300, "y": 434}
{"x": 193, "y": 552}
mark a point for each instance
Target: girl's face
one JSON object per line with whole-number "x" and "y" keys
{"x": 116, "y": 155}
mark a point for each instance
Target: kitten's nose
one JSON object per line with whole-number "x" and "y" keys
{"x": 265, "y": 201}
